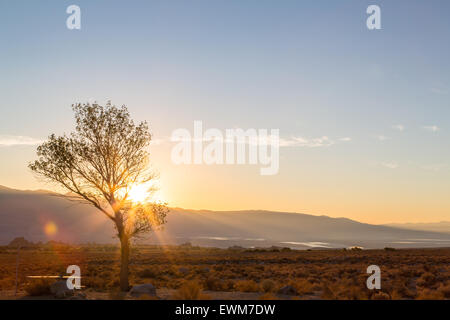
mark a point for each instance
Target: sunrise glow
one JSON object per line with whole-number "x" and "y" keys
{"x": 139, "y": 193}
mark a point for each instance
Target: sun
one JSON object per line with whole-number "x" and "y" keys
{"x": 145, "y": 193}
{"x": 139, "y": 193}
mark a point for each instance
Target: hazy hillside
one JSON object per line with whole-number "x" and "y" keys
{"x": 27, "y": 213}
{"x": 260, "y": 228}
{"x": 443, "y": 226}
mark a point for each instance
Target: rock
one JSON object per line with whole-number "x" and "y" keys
{"x": 139, "y": 290}
{"x": 60, "y": 291}
{"x": 288, "y": 291}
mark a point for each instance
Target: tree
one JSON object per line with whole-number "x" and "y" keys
{"x": 99, "y": 163}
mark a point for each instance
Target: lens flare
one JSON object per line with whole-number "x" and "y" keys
{"x": 50, "y": 228}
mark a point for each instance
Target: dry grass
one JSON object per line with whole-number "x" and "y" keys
{"x": 326, "y": 274}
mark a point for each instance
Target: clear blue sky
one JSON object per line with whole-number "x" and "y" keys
{"x": 310, "y": 68}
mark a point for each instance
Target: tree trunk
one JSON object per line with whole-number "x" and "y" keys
{"x": 124, "y": 260}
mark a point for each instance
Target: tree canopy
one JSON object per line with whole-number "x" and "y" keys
{"x": 100, "y": 162}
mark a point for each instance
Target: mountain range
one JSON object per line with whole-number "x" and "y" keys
{"x": 42, "y": 215}
{"x": 443, "y": 226}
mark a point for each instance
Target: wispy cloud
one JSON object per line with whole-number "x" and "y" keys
{"x": 381, "y": 137}
{"x": 9, "y": 140}
{"x": 434, "y": 167}
{"x": 431, "y": 128}
{"x": 439, "y": 89}
{"x": 390, "y": 165}
{"x": 306, "y": 142}
{"x": 293, "y": 141}
{"x": 398, "y": 127}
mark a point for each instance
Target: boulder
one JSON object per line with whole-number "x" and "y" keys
{"x": 288, "y": 291}
{"x": 60, "y": 290}
{"x": 143, "y": 289}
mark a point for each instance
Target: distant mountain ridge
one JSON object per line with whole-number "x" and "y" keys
{"x": 28, "y": 214}
{"x": 443, "y": 226}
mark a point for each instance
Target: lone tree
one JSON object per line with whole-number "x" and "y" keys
{"x": 99, "y": 163}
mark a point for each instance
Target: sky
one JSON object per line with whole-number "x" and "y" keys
{"x": 371, "y": 106}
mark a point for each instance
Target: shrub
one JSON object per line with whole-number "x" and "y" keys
{"x": 147, "y": 273}
{"x": 41, "y": 287}
{"x": 428, "y": 294}
{"x": 114, "y": 283}
{"x": 303, "y": 286}
{"x": 401, "y": 291}
{"x": 6, "y": 283}
{"x": 426, "y": 279}
{"x": 246, "y": 286}
{"x": 380, "y": 296}
{"x": 190, "y": 291}
{"x": 116, "y": 294}
{"x": 268, "y": 285}
{"x": 228, "y": 285}
{"x": 327, "y": 293}
{"x": 213, "y": 284}
{"x": 97, "y": 283}
{"x": 444, "y": 290}
{"x": 356, "y": 293}
{"x": 219, "y": 268}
